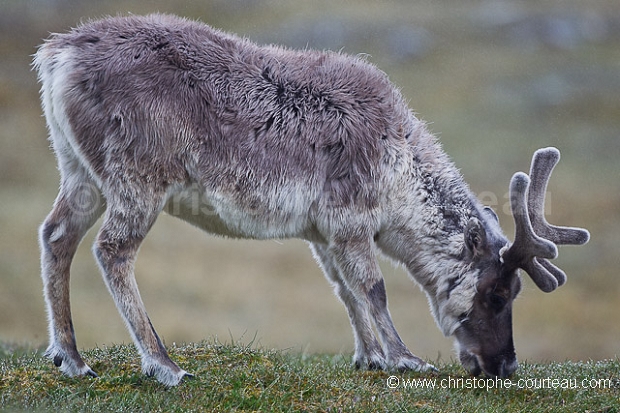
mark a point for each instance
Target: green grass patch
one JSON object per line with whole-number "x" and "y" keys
{"x": 243, "y": 378}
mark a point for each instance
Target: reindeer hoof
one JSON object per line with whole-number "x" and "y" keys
{"x": 69, "y": 362}
{"x": 370, "y": 363}
{"x": 413, "y": 363}
{"x": 91, "y": 373}
{"x": 164, "y": 370}
{"x": 374, "y": 365}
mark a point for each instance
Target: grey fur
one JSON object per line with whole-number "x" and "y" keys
{"x": 161, "y": 113}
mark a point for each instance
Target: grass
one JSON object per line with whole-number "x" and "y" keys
{"x": 492, "y": 99}
{"x": 244, "y": 378}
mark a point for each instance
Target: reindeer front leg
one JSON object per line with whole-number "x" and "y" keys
{"x": 398, "y": 355}
{"x": 125, "y": 225}
{"x": 368, "y": 352}
{"x": 356, "y": 261}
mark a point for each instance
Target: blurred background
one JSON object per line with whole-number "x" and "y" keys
{"x": 495, "y": 79}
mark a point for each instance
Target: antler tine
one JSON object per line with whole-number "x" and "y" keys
{"x": 536, "y": 239}
{"x": 543, "y": 162}
{"x": 527, "y": 246}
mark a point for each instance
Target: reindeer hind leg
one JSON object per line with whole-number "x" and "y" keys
{"x": 126, "y": 223}
{"x": 77, "y": 207}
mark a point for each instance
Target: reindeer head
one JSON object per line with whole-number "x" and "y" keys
{"x": 484, "y": 333}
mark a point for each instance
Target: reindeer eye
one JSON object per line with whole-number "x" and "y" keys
{"x": 497, "y": 302}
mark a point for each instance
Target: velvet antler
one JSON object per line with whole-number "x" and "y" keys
{"x": 535, "y": 239}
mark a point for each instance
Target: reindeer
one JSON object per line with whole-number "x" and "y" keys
{"x": 161, "y": 113}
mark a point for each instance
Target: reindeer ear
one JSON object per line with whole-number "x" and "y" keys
{"x": 475, "y": 237}
{"x": 490, "y": 213}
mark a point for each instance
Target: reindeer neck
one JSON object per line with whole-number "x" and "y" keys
{"x": 428, "y": 218}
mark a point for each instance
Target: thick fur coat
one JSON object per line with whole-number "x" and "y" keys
{"x": 161, "y": 113}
